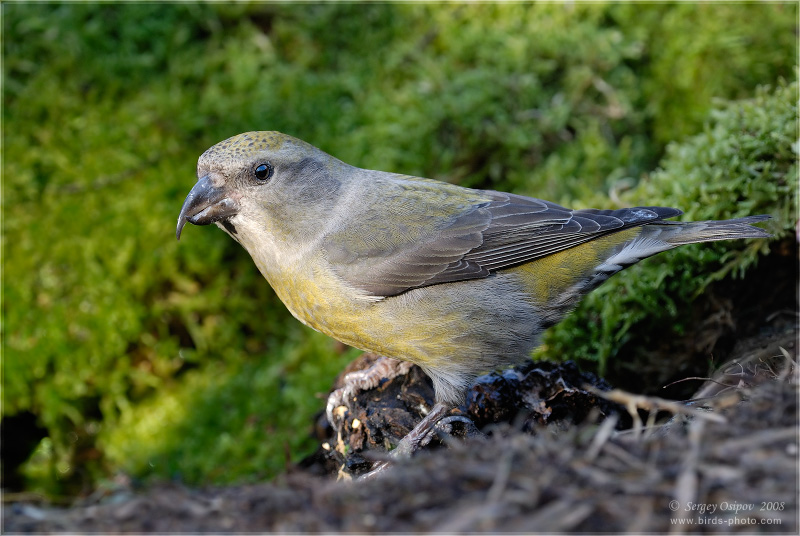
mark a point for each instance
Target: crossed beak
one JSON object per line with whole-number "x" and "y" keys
{"x": 206, "y": 204}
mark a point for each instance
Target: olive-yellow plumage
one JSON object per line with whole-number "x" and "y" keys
{"x": 458, "y": 281}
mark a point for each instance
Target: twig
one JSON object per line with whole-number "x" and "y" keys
{"x": 752, "y": 441}
{"x": 697, "y": 378}
{"x": 633, "y": 402}
{"x": 686, "y": 483}
{"x": 791, "y": 364}
{"x": 601, "y": 437}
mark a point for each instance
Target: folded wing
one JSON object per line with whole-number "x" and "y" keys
{"x": 465, "y": 236}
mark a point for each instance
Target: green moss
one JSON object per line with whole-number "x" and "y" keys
{"x": 239, "y": 422}
{"x": 743, "y": 163}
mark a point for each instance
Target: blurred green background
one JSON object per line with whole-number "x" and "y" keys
{"x": 126, "y": 352}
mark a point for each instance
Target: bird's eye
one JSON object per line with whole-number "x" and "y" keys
{"x": 263, "y": 171}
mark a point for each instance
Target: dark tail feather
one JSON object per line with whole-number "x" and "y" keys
{"x": 709, "y": 231}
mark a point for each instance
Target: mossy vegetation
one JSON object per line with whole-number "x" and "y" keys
{"x": 743, "y": 163}
{"x": 142, "y": 355}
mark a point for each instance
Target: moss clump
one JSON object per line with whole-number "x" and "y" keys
{"x": 743, "y": 163}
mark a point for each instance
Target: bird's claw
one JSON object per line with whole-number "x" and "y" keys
{"x": 364, "y": 380}
{"x": 455, "y": 426}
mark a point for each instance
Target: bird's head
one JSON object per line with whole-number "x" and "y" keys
{"x": 262, "y": 181}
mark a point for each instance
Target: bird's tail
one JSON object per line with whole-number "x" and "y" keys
{"x": 653, "y": 238}
{"x": 663, "y": 235}
{"x": 680, "y": 233}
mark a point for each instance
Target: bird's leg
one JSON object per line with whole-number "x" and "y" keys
{"x": 363, "y": 380}
{"x": 434, "y": 422}
{"x": 422, "y": 433}
{"x": 419, "y": 436}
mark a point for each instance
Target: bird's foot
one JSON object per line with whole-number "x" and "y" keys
{"x": 422, "y": 433}
{"x": 435, "y": 423}
{"x": 363, "y": 380}
{"x": 455, "y": 426}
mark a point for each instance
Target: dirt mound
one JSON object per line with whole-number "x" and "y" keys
{"x": 726, "y": 461}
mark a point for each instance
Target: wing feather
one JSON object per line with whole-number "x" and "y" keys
{"x": 466, "y": 234}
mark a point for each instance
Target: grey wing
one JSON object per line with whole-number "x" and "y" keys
{"x": 514, "y": 237}
{"x": 506, "y": 231}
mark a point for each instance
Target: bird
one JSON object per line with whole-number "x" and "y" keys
{"x": 459, "y": 281}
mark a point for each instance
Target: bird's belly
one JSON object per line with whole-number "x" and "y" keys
{"x": 472, "y": 326}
